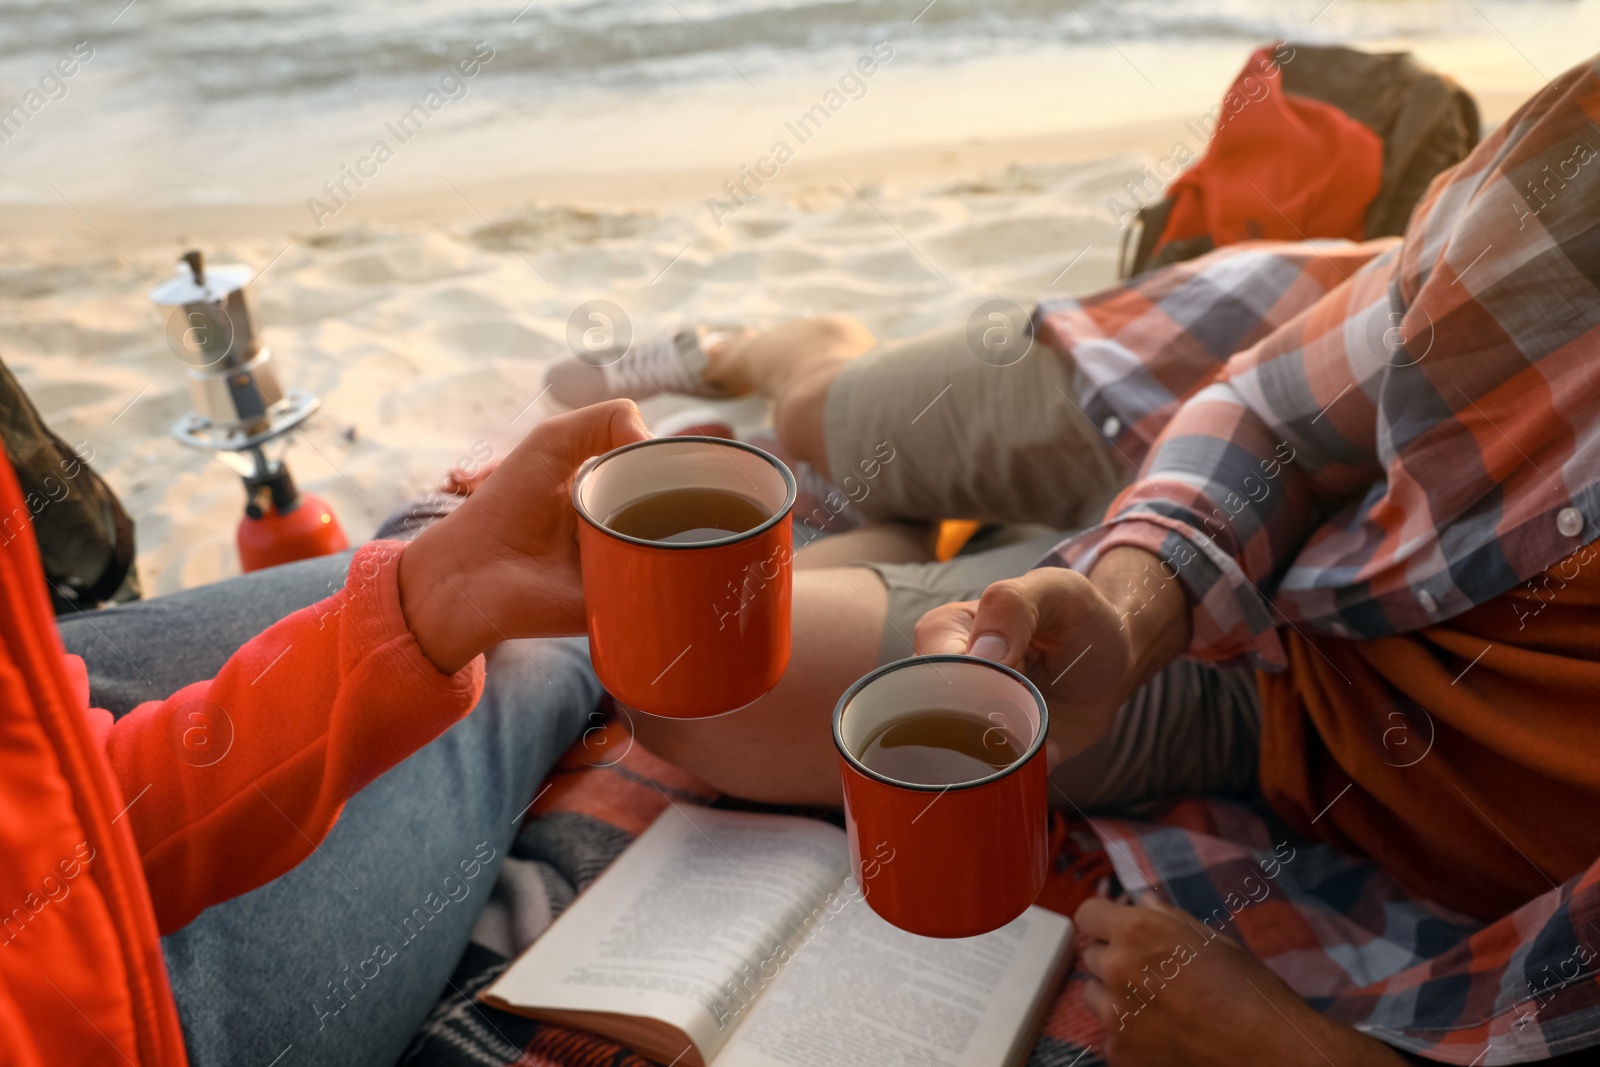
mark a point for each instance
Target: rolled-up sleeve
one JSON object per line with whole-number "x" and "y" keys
{"x": 1248, "y": 467}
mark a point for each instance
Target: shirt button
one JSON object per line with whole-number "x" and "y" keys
{"x": 1429, "y": 604}
{"x": 1113, "y": 426}
{"x": 1569, "y": 522}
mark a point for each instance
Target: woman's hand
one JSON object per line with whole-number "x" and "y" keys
{"x": 1087, "y": 642}
{"x": 505, "y": 563}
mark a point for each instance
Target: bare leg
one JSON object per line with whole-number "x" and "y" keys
{"x": 780, "y": 749}
{"x": 794, "y": 363}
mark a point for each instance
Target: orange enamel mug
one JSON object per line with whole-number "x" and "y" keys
{"x": 686, "y": 631}
{"x": 952, "y": 860}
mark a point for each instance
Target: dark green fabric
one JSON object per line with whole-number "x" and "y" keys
{"x": 85, "y": 537}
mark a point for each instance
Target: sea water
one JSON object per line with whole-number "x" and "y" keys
{"x": 197, "y": 101}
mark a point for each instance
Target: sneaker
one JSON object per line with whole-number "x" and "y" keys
{"x": 670, "y": 363}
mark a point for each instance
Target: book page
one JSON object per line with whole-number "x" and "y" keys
{"x": 682, "y": 927}
{"x": 862, "y": 993}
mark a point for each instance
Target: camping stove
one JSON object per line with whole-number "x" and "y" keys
{"x": 241, "y": 413}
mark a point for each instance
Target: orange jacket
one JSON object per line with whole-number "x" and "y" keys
{"x": 111, "y": 834}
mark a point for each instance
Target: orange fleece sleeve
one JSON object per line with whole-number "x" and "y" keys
{"x": 231, "y": 782}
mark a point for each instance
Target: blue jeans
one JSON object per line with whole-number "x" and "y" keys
{"x": 340, "y": 960}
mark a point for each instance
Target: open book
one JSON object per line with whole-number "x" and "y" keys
{"x": 733, "y": 939}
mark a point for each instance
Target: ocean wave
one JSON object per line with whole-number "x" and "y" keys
{"x": 257, "y": 48}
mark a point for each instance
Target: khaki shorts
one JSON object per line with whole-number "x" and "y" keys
{"x": 968, "y": 440}
{"x": 1010, "y": 445}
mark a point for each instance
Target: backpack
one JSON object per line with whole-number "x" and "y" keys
{"x": 85, "y": 537}
{"x": 1426, "y": 121}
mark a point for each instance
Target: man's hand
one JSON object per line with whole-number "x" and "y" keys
{"x": 1087, "y": 642}
{"x": 1168, "y": 989}
{"x": 505, "y": 563}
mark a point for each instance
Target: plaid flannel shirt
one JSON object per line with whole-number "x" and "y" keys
{"x": 1364, "y": 439}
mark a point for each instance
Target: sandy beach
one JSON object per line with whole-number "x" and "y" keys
{"x": 425, "y": 312}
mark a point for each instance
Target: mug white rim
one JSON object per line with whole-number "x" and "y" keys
{"x": 781, "y": 515}
{"x": 945, "y": 657}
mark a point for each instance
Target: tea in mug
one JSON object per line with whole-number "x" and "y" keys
{"x": 940, "y": 746}
{"x": 687, "y": 516}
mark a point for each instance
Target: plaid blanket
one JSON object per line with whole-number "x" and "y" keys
{"x": 1336, "y": 929}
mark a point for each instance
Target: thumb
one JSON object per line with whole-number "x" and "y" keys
{"x": 577, "y": 435}
{"x": 627, "y": 424}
